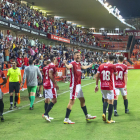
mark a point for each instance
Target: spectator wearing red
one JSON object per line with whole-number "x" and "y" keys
{"x": 19, "y": 61}
{"x": 26, "y": 60}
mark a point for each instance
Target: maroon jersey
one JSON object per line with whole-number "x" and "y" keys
{"x": 119, "y": 79}
{"x": 2, "y": 75}
{"x": 75, "y": 72}
{"x": 107, "y": 71}
{"x": 47, "y": 82}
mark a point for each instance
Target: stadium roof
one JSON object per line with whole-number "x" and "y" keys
{"x": 88, "y": 13}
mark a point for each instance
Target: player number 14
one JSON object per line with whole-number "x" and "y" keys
{"x": 120, "y": 75}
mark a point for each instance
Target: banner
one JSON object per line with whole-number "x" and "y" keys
{"x": 133, "y": 32}
{"x": 60, "y": 73}
{"x": 54, "y": 37}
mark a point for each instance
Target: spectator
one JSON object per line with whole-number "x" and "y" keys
{"x": 20, "y": 61}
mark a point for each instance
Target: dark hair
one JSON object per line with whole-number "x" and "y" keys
{"x": 52, "y": 57}
{"x": 30, "y": 61}
{"x": 111, "y": 57}
{"x": 121, "y": 58}
{"x": 14, "y": 60}
{"x": 37, "y": 61}
{"x": 76, "y": 52}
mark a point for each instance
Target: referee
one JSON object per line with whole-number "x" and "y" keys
{"x": 14, "y": 75}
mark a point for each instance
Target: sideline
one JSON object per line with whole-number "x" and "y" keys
{"x": 42, "y": 100}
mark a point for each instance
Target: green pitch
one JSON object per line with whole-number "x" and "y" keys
{"x": 24, "y": 124}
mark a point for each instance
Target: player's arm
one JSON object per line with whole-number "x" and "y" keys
{"x": 69, "y": 66}
{"x": 125, "y": 78}
{"x": 53, "y": 79}
{"x": 97, "y": 80}
{"x": 86, "y": 67}
{"x": 39, "y": 74}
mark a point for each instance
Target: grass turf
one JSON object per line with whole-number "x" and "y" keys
{"x": 25, "y": 124}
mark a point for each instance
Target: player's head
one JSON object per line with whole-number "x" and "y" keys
{"x": 14, "y": 63}
{"x": 52, "y": 58}
{"x": 77, "y": 56}
{"x": 121, "y": 59}
{"x": 48, "y": 62}
{"x": 30, "y": 61}
{"x": 111, "y": 58}
{"x": 37, "y": 61}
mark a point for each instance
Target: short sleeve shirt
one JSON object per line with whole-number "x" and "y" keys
{"x": 14, "y": 74}
{"x": 107, "y": 71}
{"x": 119, "y": 79}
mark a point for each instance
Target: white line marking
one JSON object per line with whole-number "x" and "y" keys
{"x": 42, "y": 100}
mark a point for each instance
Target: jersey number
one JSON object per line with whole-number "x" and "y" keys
{"x": 106, "y": 75}
{"x": 120, "y": 75}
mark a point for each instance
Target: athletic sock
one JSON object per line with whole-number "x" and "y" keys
{"x": 110, "y": 110}
{"x": 68, "y": 111}
{"x": 11, "y": 100}
{"x": 49, "y": 108}
{"x": 16, "y": 98}
{"x": 115, "y": 105}
{"x": 126, "y": 104}
{"x": 105, "y": 104}
{"x": 84, "y": 110}
{"x": 102, "y": 99}
{"x": 1, "y": 106}
{"x": 46, "y": 106}
{"x": 32, "y": 100}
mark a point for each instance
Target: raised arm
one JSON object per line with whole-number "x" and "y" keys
{"x": 86, "y": 67}
{"x": 69, "y": 66}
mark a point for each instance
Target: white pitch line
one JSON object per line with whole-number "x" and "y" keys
{"x": 42, "y": 100}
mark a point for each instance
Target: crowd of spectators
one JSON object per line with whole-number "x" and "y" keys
{"x": 29, "y": 17}
{"x": 21, "y": 48}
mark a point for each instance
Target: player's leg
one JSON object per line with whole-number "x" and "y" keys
{"x": 29, "y": 90}
{"x": 124, "y": 94}
{"x": 80, "y": 96}
{"x": 117, "y": 91}
{"x": 105, "y": 104}
{"x": 17, "y": 88}
{"x": 84, "y": 108}
{"x": 110, "y": 102}
{"x": 53, "y": 95}
{"x": 47, "y": 101}
{"x": 11, "y": 90}
{"x": 1, "y": 106}
{"x": 32, "y": 96}
{"x": 70, "y": 104}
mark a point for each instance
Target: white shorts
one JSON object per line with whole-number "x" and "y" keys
{"x": 50, "y": 93}
{"x": 1, "y": 94}
{"x": 108, "y": 94}
{"x": 123, "y": 92}
{"x": 76, "y": 92}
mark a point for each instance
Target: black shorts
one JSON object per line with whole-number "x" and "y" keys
{"x": 14, "y": 86}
